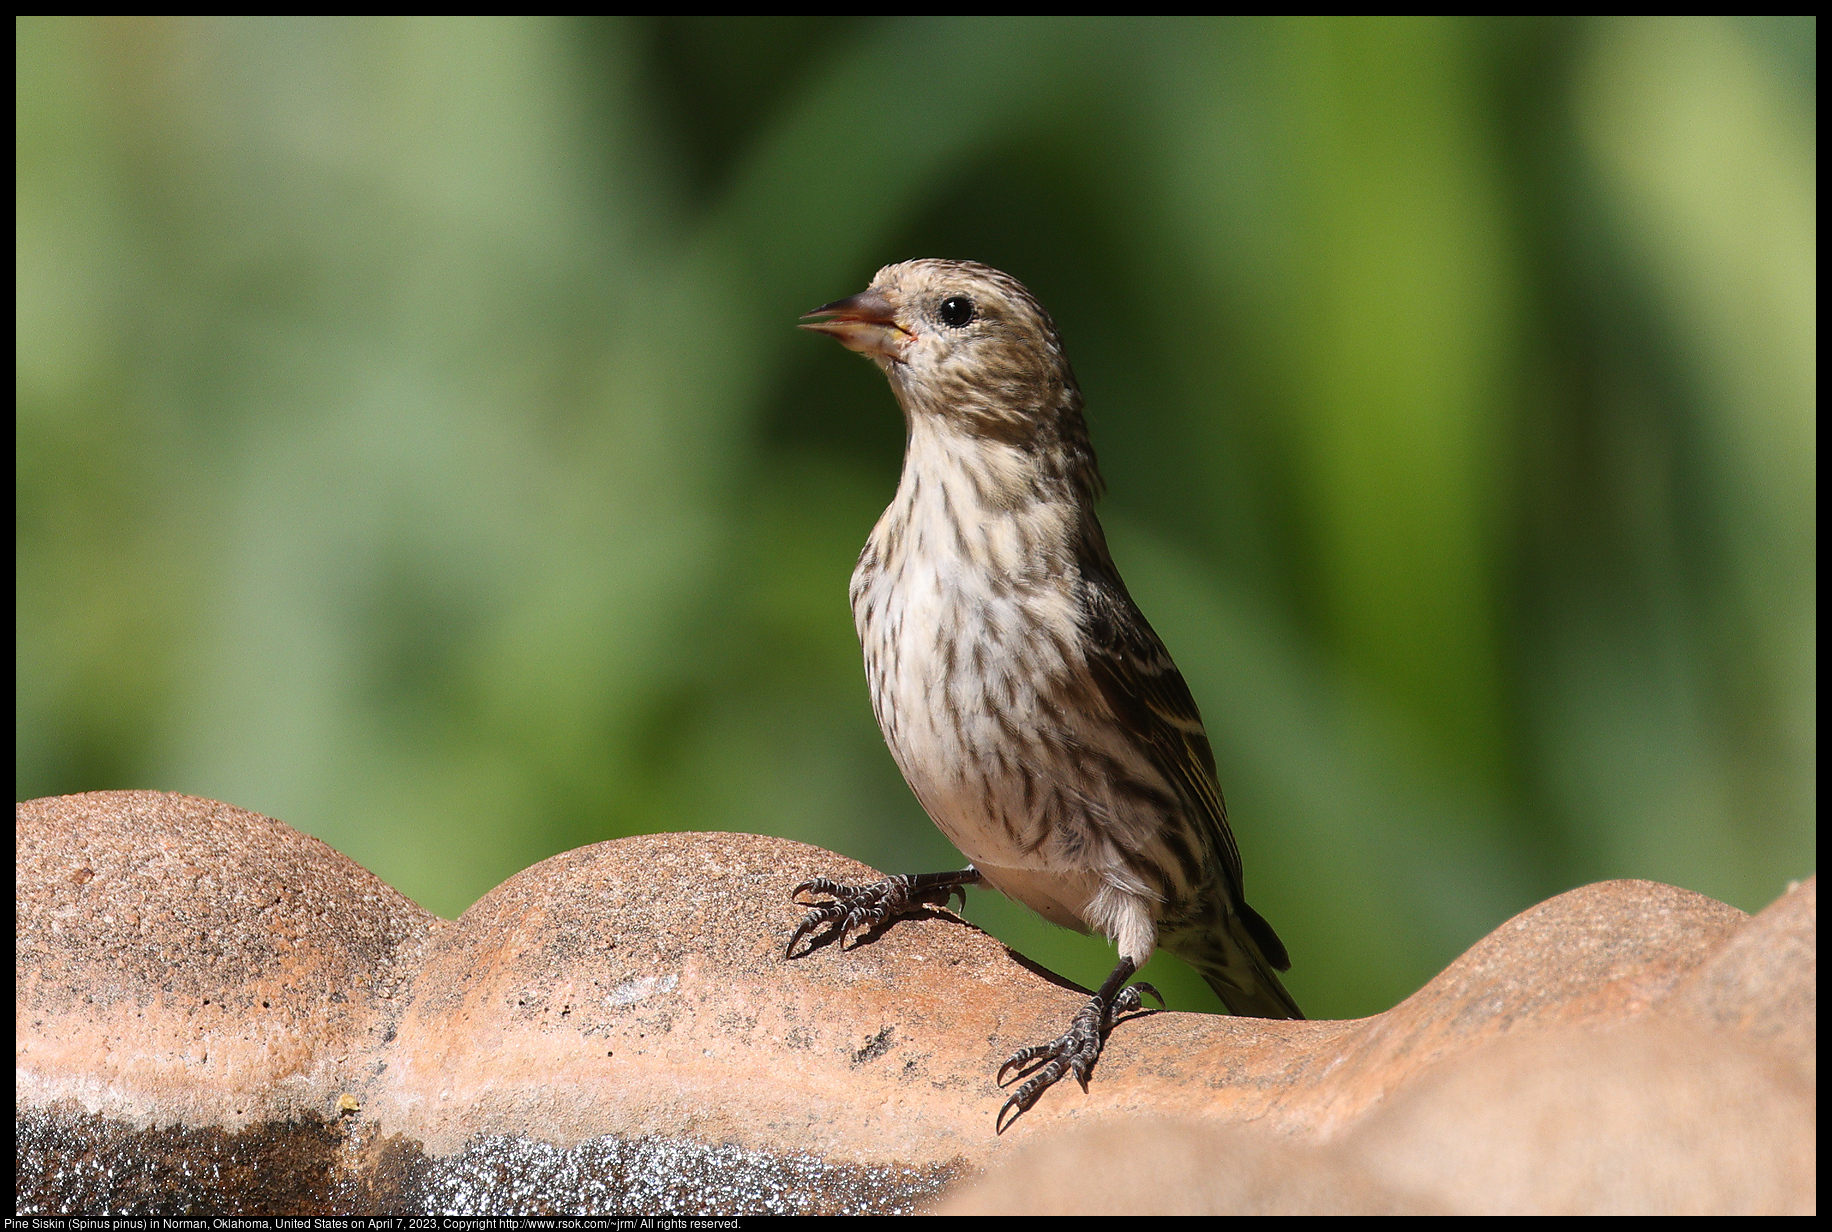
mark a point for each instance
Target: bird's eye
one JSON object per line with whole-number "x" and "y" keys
{"x": 956, "y": 311}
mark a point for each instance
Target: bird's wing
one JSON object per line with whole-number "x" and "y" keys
{"x": 1144, "y": 689}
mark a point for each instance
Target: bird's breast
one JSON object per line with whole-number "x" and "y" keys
{"x": 972, "y": 646}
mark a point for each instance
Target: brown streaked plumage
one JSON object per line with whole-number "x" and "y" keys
{"x": 1028, "y": 702}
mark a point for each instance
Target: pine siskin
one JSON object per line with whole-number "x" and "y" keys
{"x": 1032, "y": 710}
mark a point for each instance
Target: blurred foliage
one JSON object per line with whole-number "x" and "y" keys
{"x": 414, "y": 444}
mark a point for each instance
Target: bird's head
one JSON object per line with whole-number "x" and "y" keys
{"x": 961, "y": 341}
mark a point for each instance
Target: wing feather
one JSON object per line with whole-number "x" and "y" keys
{"x": 1144, "y": 689}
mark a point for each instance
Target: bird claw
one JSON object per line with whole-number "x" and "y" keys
{"x": 1130, "y": 1002}
{"x": 866, "y": 905}
{"x": 1073, "y": 1052}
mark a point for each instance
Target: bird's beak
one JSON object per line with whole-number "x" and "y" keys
{"x": 865, "y": 323}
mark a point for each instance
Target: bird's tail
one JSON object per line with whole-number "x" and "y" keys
{"x": 1241, "y": 959}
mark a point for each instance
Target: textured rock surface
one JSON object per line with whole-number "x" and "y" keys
{"x": 1643, "y": 1118}
{"x": 217, "y": 1013}
{"x": 1691, "y": 1092}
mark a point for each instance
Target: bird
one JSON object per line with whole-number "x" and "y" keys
{"x": 1032, "y": 709}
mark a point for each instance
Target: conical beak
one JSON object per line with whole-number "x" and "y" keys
{"x": 865, "y": 323}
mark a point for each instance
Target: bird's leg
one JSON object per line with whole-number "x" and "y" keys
{"x": 871, "y": 905}
{"x": 1076, "y": 1050}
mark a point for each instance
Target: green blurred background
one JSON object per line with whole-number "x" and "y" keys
{"x": 414, "y": 443}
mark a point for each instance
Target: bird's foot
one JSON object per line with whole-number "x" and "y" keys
{"x": 1074, "y": 1052}
{"x": 868, "y": 906}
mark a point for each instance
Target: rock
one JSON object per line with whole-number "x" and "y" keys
{"x": 1648, "y": 1117}
{"x": 183, "y": 962}
{"x": 1134, "y": 1166}
{"x": 1763, "y": 982}
{"x": 216, "y": 1013}
{"x": 1557, "y": 1068}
